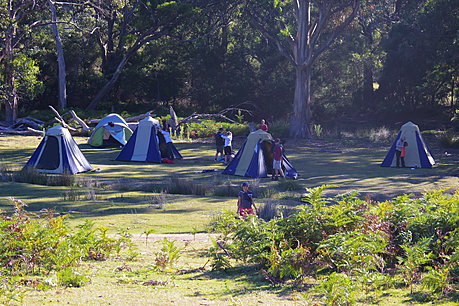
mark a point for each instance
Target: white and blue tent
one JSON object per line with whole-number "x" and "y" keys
{"x": 255, "y": 158}
{"x": 110, "y": 131}
{"x": 143, "y": 145}
{"x": 58, "y": 153}
{"x": 417, "y": 153}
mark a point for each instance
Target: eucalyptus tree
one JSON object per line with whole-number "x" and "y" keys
{"x": 62, "y": 83}
{"x": 123, "y": 28}
{"x": 421, "y": 70}
{"x": 19, "y": 72}
{"x": 302, "y": 31}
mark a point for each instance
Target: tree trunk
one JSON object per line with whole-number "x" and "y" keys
{"x": 11, "y": 106}
{"x": 109, "y": 85}
{"x": 60, "y": 59}
{"x": 301, "y": 117}
{"x": 367, "y": 84}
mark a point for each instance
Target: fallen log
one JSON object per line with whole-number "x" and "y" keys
{"x": 27, "y": 132}
{"x": 130, "y": 119}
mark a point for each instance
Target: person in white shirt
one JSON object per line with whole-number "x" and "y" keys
{"x": 228, "y": 136}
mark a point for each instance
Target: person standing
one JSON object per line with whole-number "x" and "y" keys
{"x": 228, "y": 137}
{"x": 263, "y": 126}
{"x": 168, "y": 140}
{"x": 219, "y": 143}
{"x": 245, "y": 204}
{"x": 278, "y": 152}
{"x": 403, "y": 153}
{"x": 398, "y": 151}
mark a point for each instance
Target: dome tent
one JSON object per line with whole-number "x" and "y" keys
{"x": 58, "y": 153}
{"x": 112, "y": 130}
{"x": 417, "y": 153}
{"x": 143, "y": 144}
{"x": 255, "y": 158}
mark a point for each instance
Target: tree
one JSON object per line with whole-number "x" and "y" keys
{"x": 16, "y": 22}
{"x": 130, "y": 27}
{"x": 302, "y": 31}
{"x": 62, "y": 84}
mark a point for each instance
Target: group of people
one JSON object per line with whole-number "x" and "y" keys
{"x": 223, "y": 142}
{"x": 400, "y": 151}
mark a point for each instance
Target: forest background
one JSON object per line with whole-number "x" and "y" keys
{"x": 396, "y": 59}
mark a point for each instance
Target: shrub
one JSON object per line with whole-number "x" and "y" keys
{"x": 69, "y": 278}
{"x": 40, "y": 243}
{"x": 350, "y": 239}
{"x": 449, "y": 139}
{"x": 268, "y": 211}
{"x": 289, "y": 185}
{"x": 184, "y": 186}
{"x": 157, "y": 201}
{"x": 168, "y": 255}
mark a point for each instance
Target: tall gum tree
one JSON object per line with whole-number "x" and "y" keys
{"x": 302, "y": 30}
{"x": 16, "y": 22}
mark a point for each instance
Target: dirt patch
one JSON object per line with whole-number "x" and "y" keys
{"x": 184, "y": 237}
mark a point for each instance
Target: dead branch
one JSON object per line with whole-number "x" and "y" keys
{"x": 27, "y": 132}
{"x": 84, "y": 126}
{"x": 130, "y": 119}
{"x": 140, "y": 117}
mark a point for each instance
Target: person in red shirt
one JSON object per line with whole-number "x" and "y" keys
{"x": 278, "y": 152}
{"x": 403, "y": 154}
{"x": 263, "y": 126}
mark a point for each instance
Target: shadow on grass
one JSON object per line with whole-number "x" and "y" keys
{"x": 251, "y": 280}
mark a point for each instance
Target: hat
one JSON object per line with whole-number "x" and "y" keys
{"x": 245, "y": 184}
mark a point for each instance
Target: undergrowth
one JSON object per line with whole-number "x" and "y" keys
{"x": 351, "y": 246}
{"x": 36, "y": 248}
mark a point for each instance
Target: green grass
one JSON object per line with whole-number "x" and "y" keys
{"x": 123, "y": 192}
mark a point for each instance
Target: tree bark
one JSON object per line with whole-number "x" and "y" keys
{"x": 62, "y": 102}
{"x": 11, "y": 106}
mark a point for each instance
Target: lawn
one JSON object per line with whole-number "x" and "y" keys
{"x": 125, "y": 196}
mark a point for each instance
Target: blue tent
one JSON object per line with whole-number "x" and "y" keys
{"x": 255, "y": 158}
{"x": 58, "y": 153}
{"x": 143, "y": 144}
{"x": 417, "y": 153}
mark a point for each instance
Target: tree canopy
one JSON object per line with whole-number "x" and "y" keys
{"x": 306, "y": 62}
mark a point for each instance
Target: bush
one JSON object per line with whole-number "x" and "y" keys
{"x": 40, "y": 243}
{"x": 184, "y": 186}
{"x": 449, "y": 139}
{"x": 209, "y": 127}
{"x": 351, "y": 239}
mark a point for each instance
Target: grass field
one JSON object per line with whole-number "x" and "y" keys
{"x": 124, "y": 197}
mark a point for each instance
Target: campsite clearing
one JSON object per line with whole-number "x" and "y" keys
{"x": 126, "y": 197}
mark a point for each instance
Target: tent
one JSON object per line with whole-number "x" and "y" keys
{"x": 110, "y": 131}
{"x": 417, "y": 153}
{"x": 58, "y": 153}
{"x": 143, "y": 144}
{"x": 255, "y": 158}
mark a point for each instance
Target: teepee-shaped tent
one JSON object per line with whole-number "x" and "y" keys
{"x": 255, "y": 158}
{"x": 58, "y": 153}
{"x": 110, "y": 131}
{"x": 143, "y": 144}
{"x": 417, "y": 153}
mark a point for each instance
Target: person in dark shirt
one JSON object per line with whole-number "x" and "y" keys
{"x": 219, "y": 143}
{"x": 245, "y": 204}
